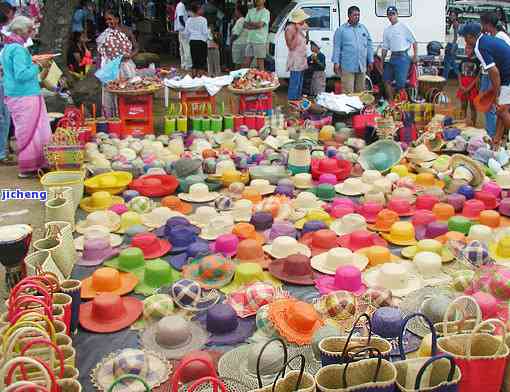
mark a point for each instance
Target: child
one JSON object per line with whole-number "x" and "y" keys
{"x": 196, "y": 32}
{"x": 468, "y": 81}
{"x": 316, "y": 77}
{"x": 239, "y": 35}
{"x": 213, "y": 52}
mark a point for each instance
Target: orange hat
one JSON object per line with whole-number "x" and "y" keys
{"x": 378, "y": 255}
{"x": 176, "y": 204}
{"x": 247, "y": 231}
{"x": 493, "y": 219}
{"x": 443, "y": 211}
{"x": 451, "y": 236}
{"x": 427, "y": 180}
{"x": 251, "y": 251}
{"x": 252, "y": 195}
{"x": 108, "y": 280}
{"x": 384, "y": 220}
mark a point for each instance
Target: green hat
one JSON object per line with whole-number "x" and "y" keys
{"x": 157, "y": 274}
{"x": 324, "y": 192}
{"x": 129, "y": 260}
{"x": 381, "y": 155}
{"x": 460, "y": 224}
{"x": 155, "y": 308}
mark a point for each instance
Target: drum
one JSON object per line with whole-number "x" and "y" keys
{"x": 429, "y": 82}
{"x": 14, "y": 245}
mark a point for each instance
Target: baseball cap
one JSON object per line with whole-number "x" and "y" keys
{"x": 391, "y": 9}
{"x": 471, "y": 28}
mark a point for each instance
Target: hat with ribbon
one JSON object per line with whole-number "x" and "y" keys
{"x": 401, "y": 233}
{"x": 284, "y": 246}
{"x": 108, "y": 312}
{"x": 428, "y": 245}
{"x": 320, "y": 241}
{"x": 158, "y": 217}
{"x": 151, "y": 246}
{"x": 247, "y": 300}
{"x": 129, "y": 219}
{"x": 176, "y": 204}
{"x": 174, "y": 336}
{"x": 157, "y": 185}
{"x": 96, "y": 250}
{"x": 97, "y": 232}
{"x": 349, "y": 223}
{"x": 113, "y": 182}
{"x": 213, "y": 271}
{"x": 108, "y": 280}
{"x": 347, "y": 278}
{"x": 360, "y": 239}
{"x": 384, "y": 220}
{"x": 198, "y": 193}
{"x": 294, "y": 269}
{"x": 222, "y": 224}
{"x": 396, "y": 277}
{"x": 466, "y": 168}
{"x": 352, "y": 187}
{"x": 294, "y": 320}
{"x": 328, "y": 262}
{"x": 107, "y": 219}
{"x": 100, "y": 201}
{"x": 381, "y": 155}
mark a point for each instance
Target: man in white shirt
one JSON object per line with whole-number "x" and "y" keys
{"x": 181, "y": 15}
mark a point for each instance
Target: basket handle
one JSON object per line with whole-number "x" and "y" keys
{"x": 285, "y": 357}
{"x": 357, "y": 353}
{"x": 13, "y": 328}
{"x": 129, "y": 377}
{"x": 28, "y": 299}
{"x": 10, "y": 343}
{"x": 403, "y": 330}
{"x": 204, "y": 380}
{"x": 56, "y": 348}
{"x": 30, "y": 315}
{"x": 455, "y": 305}
{"x": 19, "y": 361}
{"x": 34, "y": 280}
{"x": 477, "y": 330}
{"x": 364, "y": 315}
{"x": 37, "y": 287}
{"x": 282, "y": 371}
{"x": 30, "y": 386}
{"x": 177, "y": 374}
{"x": 430, "y": 361}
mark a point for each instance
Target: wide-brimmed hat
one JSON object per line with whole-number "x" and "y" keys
{"x": 127, "y": 220}
{"x": 490, "y": 200}
{"x": 403, "y": 193}
{"x": 151, "y": 246}
{"x": 176, "y": 204}
{"x": 421, "y": 153}
{"x": 295, "y": 269}
{"x": 129, "y": 260}
{"x": 226, "y": 244}
{"x": 427, "y": 180}
{"x": 396, "y": 277}
{"x": 222, "y": 224}
{"x": 443, "y": 211}
{"x": 174, "y": 336}
{"x": 348, "y": 224}
{"x": 280, "y": 228}
{"x": 245, "y": 231}
{"x": 156, "y": 274}
{"x": 352, "y": 187}
{"x": 315, "y": 214}
{"x": 113, "y": 182}
{"x": 381, "y": 155}
{"x": 97, "y": 231}
{"x": 251, "y": 251}
{"x": 158, "y": 217}
{"x": 320, "y": 241}
{"x": 347, "y": 278}
{"x": 477, "y": 174}
{"x": 264, "y": 187}
{"x": 157, "y": 185}
{"x": 196, "y": 249}
{"x": 298, "y": 16}
{"x": 307, "y": 201}
{"x": 247, "y": 300}
{"x": 432, "y": 230}
{"x": 384, "y": 220}
{"x": 155, "y": 307}
{"x": 249, "y": 273}
{"x": 198, "y": 193}
{"x": 370, "y": 176}
{"x": 284, "y": 246}
{"x": 328, "y": 262}
{"x": 107, "y": 219}
{"x": 480, "y": 233}
{"x": 401, "y": 233}
{"x": 294, "y": 320}
{"x": 426, "y": 202}
{"x": 242, "y": 210}
{"x": 428, "y": 245}
{"x": 369, "y": 210}
{"x": 96, "y": 250}
{"x": 339, "y": 167}
{"x": 108, "y": 280}
{"x": 377, "y": 255}
{"x": 109, "y": 312}
{"x": 100, "y": 201}
{"x": 302, "y": 181}
{"x": 203, "y": 215}
{"x": 213, "y": 271}
{"x": 428, "y": 265}
{"x": 360, "y": 239}
{"x": 148, "y": 365}
{"x": 188, "y": 295}
{"x": 422, "y": 218}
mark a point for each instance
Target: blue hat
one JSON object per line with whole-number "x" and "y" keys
{"x": 196, "y": 249}
{"x": 391, "y": 9}
{"x": 471, "y": 28}
{"x": 467, "y": 191}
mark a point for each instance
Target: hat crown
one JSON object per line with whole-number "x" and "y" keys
{"x": 385, "y": 218}
{"x": 146, "y": 241}
{"x": 244, "y": 230}
{"x": 443, "y": 211}
{"x": 328, "y": 165}
{"x": 435, "y": 307}
{"x": 100, "y": 199}
{"x": 213, "y": 267}
{"x": 198, "y": 190}
{"x": 490, "y": 218}
{"x": 387, "y": 321}
{"x": 221, "y": 319}
{"x": 371, "y": 208}
{"x": 130, "y": 218}
{"x": 435, "y": 229}
{"x": 97, "y": 218}
{"x": 324, "y": 239}
{"x": 422, "y": 217}
{"x": 172, "y": 331}
{"x": 402, "y": 231}
{"x": 98, "y": 244}
{"x": 301, "y": 179}
{"x": 249, "y": 249}
{"x": 313, "y": 225}
{"x": 157, "y": 306}
{"x": 285, "y": 245}
{"x": 425, "y": 179}
{"x": 297, "y": 265}
{"x": 302, "y": 317}
{"x": 378, "y": 255}
{"x": 325, "y": 191}
{"x": 428, "y": 263}
{"x": 106, "y": 279}
{"x": 354, "y": 221}
{"x": 459, "y": 223}
{"x": 107, "y": 181}
{"x": 131, "y": 258}
{"x": 361, "y": 239}
{"x": 282, "y": 229}
{"x": 480, "y": 232}
{"x": 473, "y": 207}
{"x": 393, "y": 276}
{"x": 338, "y": 257}
{"x": 400, "y": 206}
{"x": 503, "y": 247}
{"x": 226, "y": 243}
{"x": 270, "y": 362}
{"x": 347, "y": 277}
{"x": 172, "y": 202}
{"x": 106, "y": 306}
{"x": 429, "y": 245}
{"x": 426, "y": 202}
{"x": 130, "y": 361}
{"x": 96, "y": 232}
{"x": 157, "y": 273}
{"x": 182, "y": 235}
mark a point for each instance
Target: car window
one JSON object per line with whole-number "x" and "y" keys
{"x": 320, "y": 18}
{"x": 404, "y": 7}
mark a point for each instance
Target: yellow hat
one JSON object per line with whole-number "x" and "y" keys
{"x": 112, "y": 182}
{"x": 428, "y": 180}
{"x": 101, "y": 200}
{"x": 129, "y": 219}
{"x": 500, "y": 250}
{"x": 327, "y": 133}
{"x": 401, "y": 233}
{"x": 401, "y": 170}
{"x": 247, "y": 274}
{"x": 315, "y": 214}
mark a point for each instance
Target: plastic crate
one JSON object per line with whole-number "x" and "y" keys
{"x": 136, "y": 115}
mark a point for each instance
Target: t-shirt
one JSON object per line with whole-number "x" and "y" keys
{"x": 196, "y": 29}
{"x": 240, "y": 31}
{"x": 398, "y": 37}
{"x": 79, "y": 17}
{"x": 258, "y": 36}
{"x": 494, "y": 52}
{"x": 469, "y": 67}
{"x": 504, "y": 36}
{"x": 180, "y": 10}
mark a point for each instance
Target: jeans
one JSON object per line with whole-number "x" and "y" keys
{"x": 450, "y": 66}
{"x": 296, "y": 85}
{"x": 5, "y": 125}
{"x": 490, "y": 117}
{"x": 397, "y": 69}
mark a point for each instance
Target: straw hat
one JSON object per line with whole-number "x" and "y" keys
{"x": 303, "y": 181}
{"x": 262, "y": 186}
{"x": 401, "y": 233}
{"x": 306, "y": 201}
{"x": 396, "y": 277}
{"x": 222, "y": 224}
{"x": 381, "y": 155}
{"x": 113, "y": 182}
{"x": 476, "y": 173}
{"x": 242, "y": 210}
{"x": 96, "y": 250}
{"x": 421, "y": 153}
{"x": 127, "y": 220}
{"x": 284, "y": 246}
{"x": 328, "y": 262}
{"x": 348, "y": 224}
{"x": 175, "y": 204}
{"x": 428, "y": 245}
{"x": 97, "y": 232}
{"x": 157, "y": 185}
{"x": 99, "y": 201}
{"x": 247, "y": 300}
{"x": 108, "y": 280}
{"x": 141, "y": 204}
{"x": 298, "y": 16}
{"x": 428, "y": 266}
{"x": 210, "y": 272}
{"x": 503, "y": 179}
{"x": 198, "y": 193}
{"x": 157, "y": 274}
{"x": 294, "y": 269}
{"x": 107, "y": 219}
{"x": 352, "y": 187}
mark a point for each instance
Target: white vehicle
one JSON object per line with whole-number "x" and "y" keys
{"x": 427, "y": 18}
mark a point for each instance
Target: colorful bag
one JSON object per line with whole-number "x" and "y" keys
{"x": 361, "y": 121}
{"x": 65, "y": 152}
{"x": 481, "y": 357}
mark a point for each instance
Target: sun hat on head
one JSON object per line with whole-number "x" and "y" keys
{"x": 108, "y": 280}
{"x": 298, "y": 16}
{"x": 213, "y": 271}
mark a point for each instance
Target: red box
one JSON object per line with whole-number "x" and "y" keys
{"x": 136, "y": 115}
{"x": 262, "y": 102}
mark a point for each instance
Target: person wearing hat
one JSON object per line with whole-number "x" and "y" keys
{"x": 397, "y": 38}
{"x": 295, "y": 37}
{"x": 315, "y": 76}
{"x": 494, "y": 56}
{"x": 352, "y": 52}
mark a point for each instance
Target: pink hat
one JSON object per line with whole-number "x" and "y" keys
{"x": 360, "y": 239}
{"x": 369, "y": 210}
{"x": 422, "y": 218}
{"x": 472, "y": 208}
{"x": 347, "y": 278}
{"x": 328, "y": 178}
{"x": 492, "y": 187}
{"x": 426, "y": 202}
{"x": 119, "y": 209}
{"x": 401, "y": 207}
{"x": 343, "y": 201}
{"x": 488, "y": 304}
{"x": 340, "y": 211}
{"x": 491, "y": 202}
{"x": 225, "y": 244}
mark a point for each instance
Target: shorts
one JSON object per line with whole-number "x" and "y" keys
{"x": 198, "y": 54}
{"x": 259, "y": 51}
{"x": 397, "y": 70}
{"x": 504, "y": 95}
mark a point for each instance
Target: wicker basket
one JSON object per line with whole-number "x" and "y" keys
{"x": 255, "y": 91}
{"x": 62, "y": 178}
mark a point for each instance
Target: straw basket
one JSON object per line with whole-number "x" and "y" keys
{"x": 63, "y": 231}
{"x": 59, "y": 209}
{"x": 385, "y": 127}
{"x": 58, "y": 254}
{"x": 41, "y": 261}
{"x": 73, "y": 179}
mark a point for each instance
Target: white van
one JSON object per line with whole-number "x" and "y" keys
{"x": 427, "y": 18}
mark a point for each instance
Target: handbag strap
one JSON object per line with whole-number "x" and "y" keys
{"x": 455, "y": 305}
{"x": 35, "y": 316}
{"x": 405, "y": 321}
{"x": 129, "y": 377}
{"x": 31, "y": 285}
{"x": 369, "y": 322}
{"x": 477, "y": 329}
{"x": 430, "y": 361}
{"x": 58, "y": 351}
{"x": 176, "y": 379}
{"x": 282, "y": 371}
{"x": 9, "y": 367}
{"x": 6, "y": 338}
{"x": 20, "y": 386}
{"x": 10, "y": 344}
{"x": 204, "y": 380}
{"x": 29, "y": 299}
{"x": 356, "y": 353}
{"x": 285, "y": 357}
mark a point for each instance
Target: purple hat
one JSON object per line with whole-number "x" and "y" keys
{"x": 129, "y": 194}
{"x": 312, "y": 226}
{"x": 226, "y": 244}
{"x": 165, "y": 231}
{"x": 457, "y": 201}
{"x": 181, "y": 236}
{"x": 95, "y": 251}
{"x": 197, "y": 249}
{"x": 432, "y": 230}
{"x": 224, "y": 327}
{"x": 262, "y": 220}
{"x": 504, "y": 207}
{"x": 284, "y": 190}
{"x": 280, "y": 228}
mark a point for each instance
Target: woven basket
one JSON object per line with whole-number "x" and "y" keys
{"x": 385, "y": 127}
{"x": 59, "y": 209}
{"x": 73, "y": 179}
{"x": 58, "y": 254}
{"x": 41, "y": 261}
{"x": 63, "y": 231}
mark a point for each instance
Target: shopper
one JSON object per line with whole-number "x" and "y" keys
{"x": 295, "y": 37}
{"x": 352, "y": 52}
{"x": 6, "y": 15}
{"x": 468, "y": 85}
{"x": 213, "y": 51}
{"x": 239, "y": 36}
{"x": 181, "y": 15}
{"x": 197, "y": 33}
{"x": 316, "y": 71}
{"x": 257, "y": 24}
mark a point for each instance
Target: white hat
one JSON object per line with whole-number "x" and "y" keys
{"x": 108, "y": 219}
{"x": 395, "y": 277}
{"x": 302, "y": 181}
{"x": 481, "y": 233}
{"x": 198, "y": 193}
{"x": 262, "y": 186}
{"x": 203, "y": 215}
{"x": 242, "y": 210}
{"x": 462, "y": 173}
{"x": 371, "y": 176}
{"x": 392, "y": 177}
{"x": 128, "y": 154}
{"x": 307, "y": 201}
{"x": 328, "y": 262}
{"x": 94, "y": 232}
{"x": 421, "y": 153}
{"x": 199, "y": 145}
{"x": 176, "y": 146}
{"x": 284, "y": 246}
{"x": 352, "y": 187}
{"x": 158, "y": 217}
{"x": 403, "y": 193}
{"x": 383, "y": 185}
{"x": 348, "y": 224}
{"x": 503, "y": 179}
{"x": 222, "y": 224}
{"x": 374, "y": 196}
{"x": 225, "y": 166}
{"x": 428, "y": 265}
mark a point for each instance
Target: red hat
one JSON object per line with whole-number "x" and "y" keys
{"x": 426, "y": 202}
{"x": 491, "y": 202}
{"x": 151, "y": 246}
{"x": 156, "y": 185}
{"x": 320, "y": 241}
{"x": 295, "y": 269}
{"x": 108, "y": 313}
{"x": 360, "y": 239}
{"x": 339, "y": 167}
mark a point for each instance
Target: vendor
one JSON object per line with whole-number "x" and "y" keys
{"x": 23, "y": 98}
{"x": 79, "y": 56}
{"x": 116, "y": 40}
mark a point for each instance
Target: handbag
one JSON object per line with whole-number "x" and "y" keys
{"x": 361, "y": 121}
{"x": 59, "y": 209}
{"x": 366, "y": 375}
{"x": 214, "y": 381}
{"x": 464, "y": 325}
{"x": 8, "y": 368}
{"x": 64, "y": 231}
{"x": 259, "y": 358}
{"x": 481, "y": 357}
{"x": 40, "y": 262}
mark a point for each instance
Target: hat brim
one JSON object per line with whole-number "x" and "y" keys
{"x": 345, "y": 242}
{"x": 128, "y": 282}
{"x": 276, "y": 268}
{"x": 134, "y": 309}
{"x": 388, "y": 237}
{"x": 493, "y": 252}
{"x": 267, "y": 191}
{"x": 191, "y": 271}
{"x": 373, "y": 227}
{"x": 473, "y": 166}
{"x": 166, "y": 188}
{"x": 339, "y": 188}
{"x": 263, "y": 261}
{"x": 145, "y": 289}
{"x": 164, "y": 248}
{"x": 147, "y": 221}
{"x": 115, "y": 241}
{"x": 245, "y": 329}
{"x": 85, "y": 204}
{"x": 444, "y": 238}
{"x": 326, "y": 285}
{"x": 415, "y": 283}
{"x": 91, "y": 263}
{"x": 198, "y": 339}
{"x": 318, "y": 262}
{"x": 206, "y": 198}
{"x": 82, "y": 226}
{"x": 300, "y": 249}
{"x": 393, "y": 258}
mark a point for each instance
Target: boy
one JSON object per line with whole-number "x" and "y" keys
{"x": 468, "y": 85}
{"x": 315, "y": 82}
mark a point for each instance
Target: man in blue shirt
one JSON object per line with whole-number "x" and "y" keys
{"x": 494, "y": 56}
{"x": 397, "y": 38}
{"x": 352, "y": 52}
